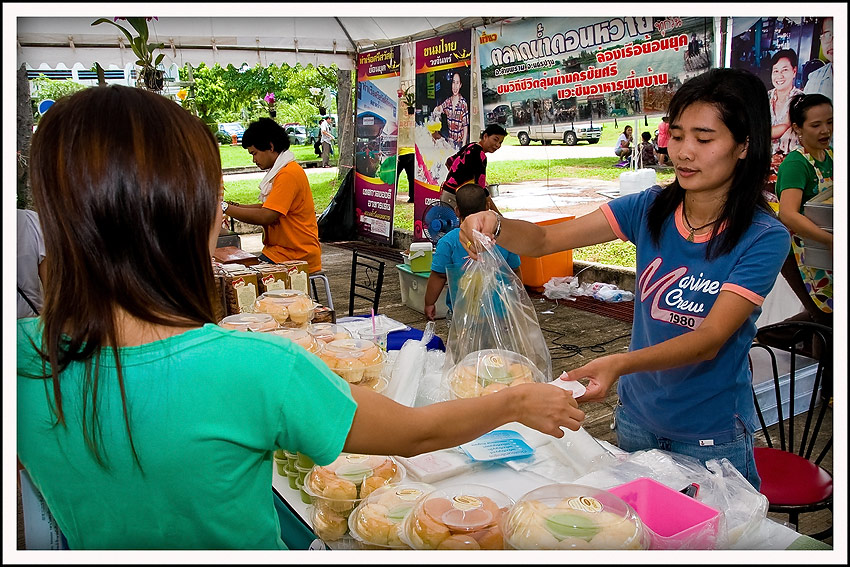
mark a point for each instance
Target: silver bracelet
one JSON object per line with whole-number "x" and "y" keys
{"x": 498, "y": 226}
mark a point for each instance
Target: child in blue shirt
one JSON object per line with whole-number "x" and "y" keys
{"x": 709, "y": 250}
{"x": 450, "y": 253}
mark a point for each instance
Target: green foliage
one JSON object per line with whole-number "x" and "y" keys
{"x": 222, "y": 138}
{"x": 226, "y": 94}
{"x": 44, "y": 88}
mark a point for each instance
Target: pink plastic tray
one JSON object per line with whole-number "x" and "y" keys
{"x": 674, "y": 521}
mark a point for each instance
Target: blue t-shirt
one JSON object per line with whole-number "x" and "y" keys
{"x": 451, "y": 255}
{"x": 675, "y": 289}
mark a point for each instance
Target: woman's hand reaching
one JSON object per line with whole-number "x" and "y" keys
{"x": 601, "y": 375}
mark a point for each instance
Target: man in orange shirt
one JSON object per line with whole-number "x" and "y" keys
{"x": 286, "y": 210}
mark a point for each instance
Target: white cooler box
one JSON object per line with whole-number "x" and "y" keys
{"x": 413, "y": 286}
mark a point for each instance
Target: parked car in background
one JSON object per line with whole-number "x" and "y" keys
{"x": 297, "y": 134}
{"x": 231, "y": 128}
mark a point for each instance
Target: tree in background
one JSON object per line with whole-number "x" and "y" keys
{"x": 226, "y": 94}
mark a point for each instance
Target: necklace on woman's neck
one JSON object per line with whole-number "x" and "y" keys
{"x": 692, "y": 229}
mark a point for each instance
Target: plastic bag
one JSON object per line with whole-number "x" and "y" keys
{"x": 408, "y": 368}
{"x": 492, "y": 311}
{"x": 722, "y": 487}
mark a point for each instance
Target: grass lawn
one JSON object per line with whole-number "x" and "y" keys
{"x": 237, "y": 156}
{"x": 610, "y": 133}
{"x": 324, "y": 186}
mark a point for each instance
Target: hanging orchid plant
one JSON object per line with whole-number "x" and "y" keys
{"x": 149, "y": 76}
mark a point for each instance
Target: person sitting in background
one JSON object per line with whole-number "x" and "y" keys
{"x": 645, "y": 152}
{"x": 623, "y": 147}
{"x": 286, "y": 210}
{"x": 143, "y": 423}
{"x": 31, "y": 266}
{"x": 450, "y": 253}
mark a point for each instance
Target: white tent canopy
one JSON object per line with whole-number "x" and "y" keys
{"x": 65, "y": 42}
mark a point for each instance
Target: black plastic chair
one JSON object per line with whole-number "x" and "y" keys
{"x": 367, "y": 285}
{"x": 792, "y": 482}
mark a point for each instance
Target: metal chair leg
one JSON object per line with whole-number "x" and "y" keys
{"x": 324, "y": 279}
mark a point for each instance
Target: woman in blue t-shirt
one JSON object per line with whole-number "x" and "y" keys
{"x": 708, "y": 252}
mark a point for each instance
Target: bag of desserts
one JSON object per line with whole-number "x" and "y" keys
{"x": 493, "y": 314}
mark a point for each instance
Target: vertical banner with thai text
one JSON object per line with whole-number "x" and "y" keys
{"x": 546, "y": 75}
{"x": 442, "y": 114}
{"x": 375, "y": 141}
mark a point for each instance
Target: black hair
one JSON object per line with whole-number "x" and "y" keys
{"x": 265, "y": 133}
{"x": 646, "y": 136}
{"x": 471, "y": 198}
{"x": 784, "y": 53}
{"x": 801, "y": 103}
{"x": 740, "y": 99}
{"x": 492, "y": 129}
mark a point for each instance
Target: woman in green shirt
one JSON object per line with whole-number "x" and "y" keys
{"x": 803, "y": 174}
{"x": 143, "y": 423}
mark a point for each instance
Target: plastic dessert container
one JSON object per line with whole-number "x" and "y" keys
{"x": 328, "y": 332}
{"x": 300, "y": 337}
{"x": 336, "y": 489}
{"x": 464, "y": 516}
{"x": 249, "y": 322}
{"x": 487, "y": 371}
{"x": 377, "y": 521}
{"x": 572, "y": 516}
{"x": 286, "y": 306}
{"x": 357, "y": 361}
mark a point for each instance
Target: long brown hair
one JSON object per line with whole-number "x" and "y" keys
{"x": 126, "y": 183}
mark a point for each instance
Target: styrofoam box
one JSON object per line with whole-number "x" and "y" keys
{"x": 413, "y": 286}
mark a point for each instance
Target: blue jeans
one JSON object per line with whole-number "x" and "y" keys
{"x": 633, "y": 437}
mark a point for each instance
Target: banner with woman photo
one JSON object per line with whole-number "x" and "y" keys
{"x": 375, "y": 140}
{"x": 792, "y": 56}
{"x": 443, "y": 102}
{"x": 542, "y": 76}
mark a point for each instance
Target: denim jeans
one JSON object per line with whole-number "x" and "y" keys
{"x": 633, "y": 437}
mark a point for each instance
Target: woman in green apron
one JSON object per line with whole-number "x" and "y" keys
{"x": 803, "y": 174}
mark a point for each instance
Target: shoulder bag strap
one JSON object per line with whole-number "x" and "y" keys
{"x": 27, "y": 299}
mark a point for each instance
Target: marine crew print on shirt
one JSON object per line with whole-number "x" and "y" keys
{"x": 674, "y": 295}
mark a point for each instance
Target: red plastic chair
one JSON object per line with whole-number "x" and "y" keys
{"x": 792, "y": 482}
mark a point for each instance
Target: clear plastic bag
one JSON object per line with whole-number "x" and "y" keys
{"x": 492, "y": 311}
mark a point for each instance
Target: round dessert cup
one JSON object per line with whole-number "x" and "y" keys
{"x": 286, "y": 306}
{"x": 490, "y": 370}
{"x": 356, "y": 361}
{"x": 249, "y": 322}
{"x": 300, "y": 337}
{"x": 336, "y": 489}
{"x": 464, "y": 516}
{"x": 377, "y": 521}
{"x": 572, "y": 516}
{"x": 328, "y": 332}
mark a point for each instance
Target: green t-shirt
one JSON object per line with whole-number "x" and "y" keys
{"x": 796, "y": 172}
{"x": 207, "y": 409}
